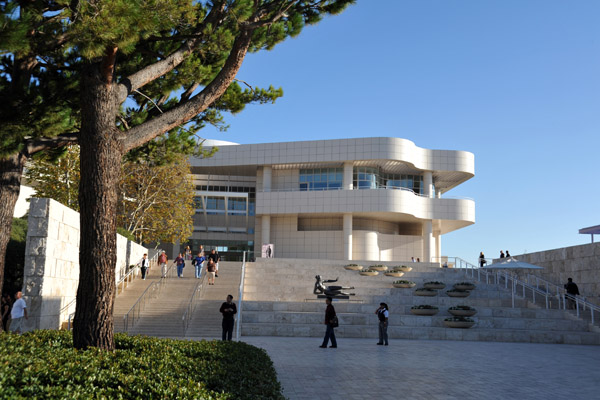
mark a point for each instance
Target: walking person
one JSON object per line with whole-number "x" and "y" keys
{"x": 188, "y": 253}
{"x": 383, "y": 315}
{"x": 180, "y": 262}
{"x": 144, "y": 265}
{"x": 162, "y": 261}
{"x": 210, "y": 270}
{"x": 501, "y": 254}
{"x": 507, "y": 254}
{"x": 228, "y": 310}
{"x": 18, "y": 313}
{"x": 216, "y": 258}
{"x": 329, "y": 321}
{"x": 197, "y": 262}
{"x": 572, "y": 291}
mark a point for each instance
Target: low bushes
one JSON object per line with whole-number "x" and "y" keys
{"x": 43, "y": 364}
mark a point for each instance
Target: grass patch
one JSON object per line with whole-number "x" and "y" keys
{"x": 44, "y": 365}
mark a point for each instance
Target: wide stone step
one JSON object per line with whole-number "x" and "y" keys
{"x": 426, "y": 333}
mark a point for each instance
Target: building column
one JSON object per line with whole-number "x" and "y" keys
{"x": 265, "y": 229}
{"x": 438, "y": 193}
{"x": 428, "y": 183}
{"x": 348, "y": 237}
{"x": 438, "y": 246}
{"x": 427, "y": 241}
{"x": 348, "y": 176}
{"x": 267, "y": 178}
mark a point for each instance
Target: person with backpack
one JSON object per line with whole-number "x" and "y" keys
{"x": 383, "y": 315}
{"x": 180, "y": 262}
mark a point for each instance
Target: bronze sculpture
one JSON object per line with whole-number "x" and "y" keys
{"x": 331, "y": 291}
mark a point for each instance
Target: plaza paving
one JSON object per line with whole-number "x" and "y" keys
{"x": 438, "y": 370}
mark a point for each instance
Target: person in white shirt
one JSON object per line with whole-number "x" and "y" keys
{"x": 18, "y": 313}
{"x": 144, "y": 264}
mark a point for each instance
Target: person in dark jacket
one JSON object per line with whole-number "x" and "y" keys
{"x": 572, "y": 291}
{"x": 329, "y": 333}
{"x": 228, "y": 310}
{"x": 383, "y": 315}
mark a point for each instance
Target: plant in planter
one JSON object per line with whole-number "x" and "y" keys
{"x": 368, "y": 272}
{"x": 462, "y": 311}
{"x": 424, "y": 309}
{"x": 459, "y": 322}
{"x": 434, "y": 285}
{"x": 425, "y": 292}
{"x": 378, "y": 267}
{"x": 402, "y": 268}
{"x": 458, "y": 293}
{"x": 396, "y": 274}
{"x": 464, "y": 286}
{"x": 404, "y": 284}
{"x": 353, "y": 267}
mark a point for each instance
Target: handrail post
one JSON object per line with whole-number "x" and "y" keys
{"x": 240, "y": 299}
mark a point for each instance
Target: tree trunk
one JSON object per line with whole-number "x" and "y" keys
{"x": 11, "y": 171}
{"x": 100, "y": 168}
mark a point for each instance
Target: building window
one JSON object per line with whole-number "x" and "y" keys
{"x": 321, "y": 179}
{"x": 373, "y": 178}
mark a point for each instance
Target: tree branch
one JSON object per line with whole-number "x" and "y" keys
{"x": 36, "y": 145}
{"x": 159, "y": 68}
{"x": 200, "y": 102}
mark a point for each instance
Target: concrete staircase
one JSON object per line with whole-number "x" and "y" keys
{"x": 162, "y": 316}
{"x": 206, "y": 320}
{"x": 278, "y": 301}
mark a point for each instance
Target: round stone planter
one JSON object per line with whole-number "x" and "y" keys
{"x": 463, "y": 313}
{"x": 354, "y": 267}
{"x": 436, "y": 286}
{"x": 395, "y": 274}
{"x": 424, "y": 311}
{"x": 428, "y": 293}
{"x": 369, "y": 273}
{"x": 405, "y": 285}
{"x": 380, "y": 268}
{"x": 403, "y": 269}
{"x": 459, "y": 324}
{"x": 464, "y": 287}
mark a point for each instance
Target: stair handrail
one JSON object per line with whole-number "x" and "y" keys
{"x": 238, "y": 322}
{"x": 133, "y": 271}
{"x": 560, "y": 290}
{"x": 194, "y": 299}
{"x": 580, "y": 301}
{"x": 152, "y": 291}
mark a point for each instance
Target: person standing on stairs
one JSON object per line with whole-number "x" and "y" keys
{"x": 197, "y": 262}
{"x": 216, "y": 258}
{"x": 162, "y": 261}
{"x": 329, "y": 333}
{"x": 210, "y": 270}
{"x": 144, "y": 265}
{"x": 180, "y": 262}
{"x": 228, "y": 310}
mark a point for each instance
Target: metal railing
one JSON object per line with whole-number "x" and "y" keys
{"x": 151, "y": 292}
{"x": 551, "y": 293}
{"x": 238, "y": 322}
{"x": 196, "y": 296}
{"x": 128, "y": 275}
{"x": 334, "y": 189}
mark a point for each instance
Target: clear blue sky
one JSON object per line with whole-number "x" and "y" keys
{"x": 515, "y": 82}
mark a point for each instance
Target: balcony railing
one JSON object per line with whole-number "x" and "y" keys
{"x": 283, "y": 190}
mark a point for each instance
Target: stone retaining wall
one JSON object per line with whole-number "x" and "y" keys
{"x": 51, "y": 273}
{"x": 582, "y": 263}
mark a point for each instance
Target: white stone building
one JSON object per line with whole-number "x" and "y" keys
{"x": 378, "y": 199}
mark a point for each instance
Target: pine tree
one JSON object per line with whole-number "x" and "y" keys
{"x": 67, "y": 69}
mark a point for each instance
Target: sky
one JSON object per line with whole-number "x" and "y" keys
{"x": 515, "y": 82}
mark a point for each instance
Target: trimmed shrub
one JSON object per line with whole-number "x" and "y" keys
{"x": 44, "y": 364}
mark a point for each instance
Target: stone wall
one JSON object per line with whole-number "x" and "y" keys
{"x": 51, "y": 273}
{"x": 582, "y": 263}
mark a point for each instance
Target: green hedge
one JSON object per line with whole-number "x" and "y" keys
{"x": 44, "y": 365}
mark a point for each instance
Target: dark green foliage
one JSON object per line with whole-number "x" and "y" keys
{"x": 15, "y": 257}
{"x": 48, "y": 367}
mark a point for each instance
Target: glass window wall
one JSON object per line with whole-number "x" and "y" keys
{"x": 321, "y": 179}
